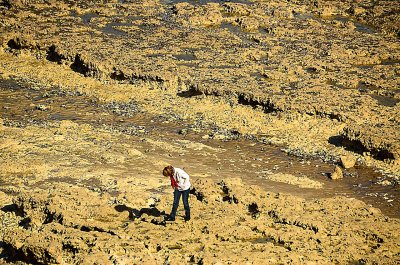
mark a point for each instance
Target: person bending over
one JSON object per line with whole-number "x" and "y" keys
{"x": 180, "y": 182}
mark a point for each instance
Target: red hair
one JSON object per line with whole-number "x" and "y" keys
{"x": 168, "y": 171}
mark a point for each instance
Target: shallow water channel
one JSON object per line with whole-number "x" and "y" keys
{"x": 249, "y": 159}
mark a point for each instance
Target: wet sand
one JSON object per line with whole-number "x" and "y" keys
{"x": 253, "y": 160}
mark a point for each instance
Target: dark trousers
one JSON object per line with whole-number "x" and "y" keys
{"x": 185, "y": 199}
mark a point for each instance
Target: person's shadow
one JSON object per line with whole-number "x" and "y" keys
{"x": 135, "y": 213}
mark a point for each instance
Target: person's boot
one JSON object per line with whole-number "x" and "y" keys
{"x": 187, "y": 218}
{"x": 170, "y": 218}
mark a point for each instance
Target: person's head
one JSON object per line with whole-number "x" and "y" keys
{"x": 168, "y": 171}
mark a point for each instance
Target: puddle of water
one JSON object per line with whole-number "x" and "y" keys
{"x": 46, "y": 11}
{"x": 304, "y": 16}
{"x": 86, "y": 18}
{"x": 185, "y": 56}
{"x": 110, "y": 28}
{"x": 203, "y": 2}
{"x": 233, "y": 29}
{"x": 365, "y": 66}
{"x": 55, "y": 105}
{"x": 156, "y": 55}
{"x": 240, "y": 158}
{"x": 385, "y": 100}
{"x": 383, "y": 62}
{"x": 261, "y": 78}
{"x": 223, "y": 67}
{"x": 247, "y": 159}
{"x": 335, "y": 84}
{"x": 67, "y": 180}
{"x": 92, "y": 181}
{"x": 266, "y": 240}
{"x": 311, "y": 70}
{"x": 62, "y": 116}
{"x": 245, "y": 36}
{"x": 390, "y": 62}
{"x": 363, "y": 87}
{"x": 190, "y": 65}
{"x": 359, "y": 26}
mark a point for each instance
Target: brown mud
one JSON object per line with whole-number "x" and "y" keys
{"x": 260, "y": 101}
{"x": 248, "y": 158}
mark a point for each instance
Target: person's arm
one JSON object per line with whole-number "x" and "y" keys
{"x": 183, "y": 176}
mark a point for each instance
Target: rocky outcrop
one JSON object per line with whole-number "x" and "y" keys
{"x": 382, "y": 148}
{"x": 337, "y": 173}
{"x": 316, "y": 78}
{"x": 266, "y": 226}
{"x": 348, "y": 161}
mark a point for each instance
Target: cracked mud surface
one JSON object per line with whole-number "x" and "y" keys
{"x": 257, "y": 100}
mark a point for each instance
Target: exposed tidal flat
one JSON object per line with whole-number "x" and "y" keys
{"x": 264, "y": 103}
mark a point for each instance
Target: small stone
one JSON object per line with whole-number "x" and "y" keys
{"x": 151, "y": 202}
{"x": 337, "y": 173}
{"x": 183, "y": 131}
{"x": 219, "y": 136}
{"x": 348, "y": 161}
{"x": 385, "y": 183}
{"x": 41, "y": 107}
{"x": 359, "y": 11}
{"x": 374, "y": 211}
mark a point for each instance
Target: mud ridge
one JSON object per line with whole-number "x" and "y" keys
{"x": 86, "y": 67}
{"x": 281, "y": 220}
{"x": 97, "y": 97}
{"x": 91, "y": 69}
{"x": 15, "y": 255}
{"x": 380, "y": 149}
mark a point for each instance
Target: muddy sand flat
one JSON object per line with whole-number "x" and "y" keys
{"x": 261, "y": 102}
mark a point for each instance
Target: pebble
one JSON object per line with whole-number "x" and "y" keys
{"x": 337, "y": 173}
{"x": 41, "y": 107}
{"x": 348, "y": 161}
{"x": 385, "y": 183}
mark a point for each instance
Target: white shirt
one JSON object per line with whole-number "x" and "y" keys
{"x": 182, "y": 178}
